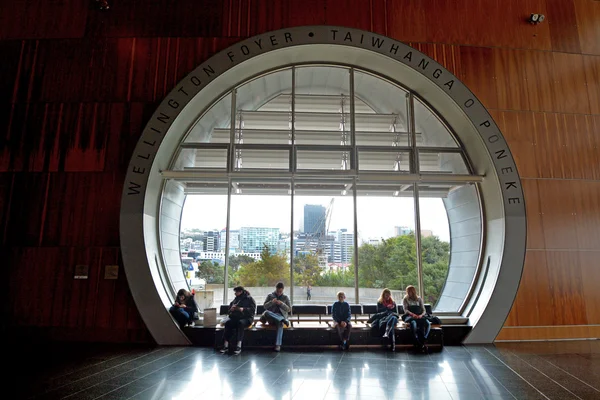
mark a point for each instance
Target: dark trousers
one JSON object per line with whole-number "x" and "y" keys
{"x": 344, "y": 333}
{"x": 181, "y": 316}
{"x": 308, "y": 296}
{"x": 236, "y": 326}
{"x": 420, "y": 329}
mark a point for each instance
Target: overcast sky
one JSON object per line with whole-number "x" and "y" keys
{"x": 377, "y": 216}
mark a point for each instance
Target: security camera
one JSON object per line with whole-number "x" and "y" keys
{"x": 536, "y": 18}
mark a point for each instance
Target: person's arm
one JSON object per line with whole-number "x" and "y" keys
{"x": 334, "y": 311}
{"x": 406, "y": 309}
{"x": 268, "y": 301}
{"x": 251, "y": 309}
{"x": 381, "y": 307}
{"x": 349, "y": 314}
{"x": 285, "y": 304}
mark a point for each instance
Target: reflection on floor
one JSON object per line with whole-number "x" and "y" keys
{"x": 556, "y": 370}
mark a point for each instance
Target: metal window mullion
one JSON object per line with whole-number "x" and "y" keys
{"x": 231, "y": 154}
{"x": 356, "y": 294}
{"x": 418, "y": 239}
{"x": 353, "y": 153}
{"x": 227, "y": 240}
{"x": 292, "y": 243}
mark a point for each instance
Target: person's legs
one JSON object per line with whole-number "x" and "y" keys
{"x": 277, "y": 319}
{"x": 241, "y": 326}
{"x": 346, "y": 333}
{"x": 340, "y": 331}
{"x": 230, "y": 325}
{"x": 279, "y": 338}
{"x": 180, "y": 315}
{"x": 427, "y": 329}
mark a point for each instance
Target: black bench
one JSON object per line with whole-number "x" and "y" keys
{"x": 308, "y": 334}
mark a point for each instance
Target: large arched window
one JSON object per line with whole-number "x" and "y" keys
{"x": 328, "y": 176}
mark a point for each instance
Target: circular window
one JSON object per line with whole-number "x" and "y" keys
{"x": 287, "y": 165}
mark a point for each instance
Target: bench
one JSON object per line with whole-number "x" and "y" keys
{"x": 311, "y": 325}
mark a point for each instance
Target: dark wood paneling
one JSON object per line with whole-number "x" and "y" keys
{"x": 535, "y": 226}
{"x": 587, "y": 213}
{"x": 28, "y": 19}
{"x": 518, "y": 129}
{"x": 588, "y": 15}
{"x": 540, "y": 81}
{"x": 558, "y": 215}
{"x": 379, "y": 16}
{"x": 138, "y": 18}
{"x": 508, "y": 70}
{"x": 571, "y": 83}
{"x": 566, "y": 288}
{"x": 563, "y": 25}
{"x": 407, "y": 20}
{"x": 590, "y": 275}
{"x": 477, "y": 72}
{"x": 448, "y": 56}
{"x": 27, "y": 210}
{"x": 592, "y": 79}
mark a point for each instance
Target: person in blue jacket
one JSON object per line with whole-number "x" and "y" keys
{"x": 340, "y": 312}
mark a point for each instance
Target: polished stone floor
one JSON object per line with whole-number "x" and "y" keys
{"x": 554, "y": 370}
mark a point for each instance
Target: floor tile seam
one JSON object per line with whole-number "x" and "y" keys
{"x": 493, "y": 377}
{"x": 117, "y": 388}
{"x": 544, "y": 374}
{"x": 114, "y": 366}
{"x": 519, "y": 375}
{"x": 100, "y": 372}
{"x": 566, "y": 372}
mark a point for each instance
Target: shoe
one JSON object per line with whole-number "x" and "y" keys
{"x": 393, "y": 347}
{"x": 424, "y": 349}
{"x": 385, "y": 334}
{"x": 342, "y": 347}
{"x": 237, "y": 350}
{"x": 224, "y": 350}
{"x": 286, "y": 323}
{"x": 277, "y": 348}
{"x": 347, "y": 347}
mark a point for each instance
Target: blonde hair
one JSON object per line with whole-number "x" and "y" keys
{"x": 412, "y": 289}
{"x": 386, "y": 290}
{"x": 340, "y": 293}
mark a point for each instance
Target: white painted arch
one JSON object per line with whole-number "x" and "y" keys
{"x": 503, "y": 244}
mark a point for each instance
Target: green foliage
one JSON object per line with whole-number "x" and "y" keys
{"x": 210, "y": 271}
{"x": 343, "y": 278}
{"x": 270, "y": 269}
{"x": 240, "y": 260}
{"x": 306, "y": 269}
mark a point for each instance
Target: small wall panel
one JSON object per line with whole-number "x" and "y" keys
{"x": 540, "y": 81}
{"x": 535, "y": 227}
{"x": 571, "y": 83}
{"x": 407, "y": 20}
{"x": 590, "y": 276}
{"x": 518, "y": 129}
{"x": 477, "y": 72}
{"x": 587, "y": 213}
{"x": 509, "y": 73}
{"x": 588, "y": 15}
{"x": 558, "y": 219}
{"x": 379, "y": 16}
{"x": 563, "y": 25}
{"x": 548, "y": 146}
{"x": 566, "y": 288}
{"x": 592, "y": 79}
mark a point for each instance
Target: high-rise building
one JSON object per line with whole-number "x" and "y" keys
{"x": 426, "y": 233}
{"x": 314, "y": 220}
{"x": 252, "y": 239}
{"x": 346, "y": 241}
{"x": 402, "y": 230}
{"x": 234, "y": 241}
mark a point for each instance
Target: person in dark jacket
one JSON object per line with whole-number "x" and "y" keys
{"x": 387, "y": 307}
{"x": 241, "y": 316}
{"x": 184, "y": 308}
{"x": 341, "y": 315}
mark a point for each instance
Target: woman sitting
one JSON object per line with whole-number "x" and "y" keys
{"x": 414, "y": 314}
{"x": 386, "y": 317}
{"x": 184, "y": 308}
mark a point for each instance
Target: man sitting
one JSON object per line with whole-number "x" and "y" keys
{"x": 277, "y": 306}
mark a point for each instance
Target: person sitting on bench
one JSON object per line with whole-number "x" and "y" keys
{"x": 414, "y": 314}
{"x": 241, "y": 316}
{"x": 340, "y": 312}
{"x": 277, "y": 306}
{"x": 183, "y": 308}
{"x": 386, "y": 308}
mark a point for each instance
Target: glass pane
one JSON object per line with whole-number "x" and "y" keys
{"x": 203, "y": 247}
{"x": 263, "y": 221}
{"x": 322, "y": 106}
{"x": 380, "y": 109}
{"x": 208, "y": 158}
{"x": 263, "y": 109}
{"x": 387, "y": 248}
{"x": 450, "y": 163}
{"x": 435, "y": 246}
{"x": 215, "y": 125}
{"x": 323, "y": 160}
{"x": 262, "y": 159}
{"x": 384, "y": 161}
{"x": 323, "y": 247}
{"x": 429, "y": 129}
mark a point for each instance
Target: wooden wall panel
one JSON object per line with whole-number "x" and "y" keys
{"x": 535, "y": 226}
{"x": 588, "y": 15}
{"x": 540, "y": 81}
{"x": 42, "y": 19}
{"x": 592, "y": 78}
{"x": 518, "y": 129}
{"x": 379, "y": 16}
{"x": 563, "y": 26}
{"x": 587, "y": 213}
{"x": 407, "y": 20}
{"x": 571, "y": 83}
{"x": 590, "y": 275}
{"x": 512, "y": 93}
{"x": 566, "y": 288}
{"x": 558, "y": 209}
{"x": 477, "y": 72}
